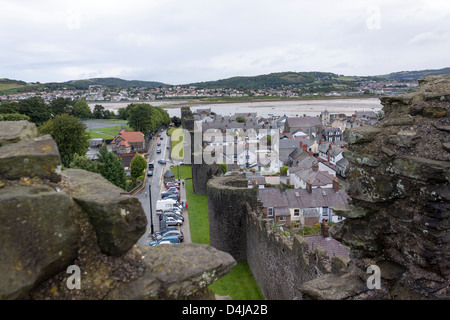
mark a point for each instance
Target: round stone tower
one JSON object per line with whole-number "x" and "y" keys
{"x": 228, "y": 197}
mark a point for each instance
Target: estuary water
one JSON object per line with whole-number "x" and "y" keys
{"x": 262, "y": 108}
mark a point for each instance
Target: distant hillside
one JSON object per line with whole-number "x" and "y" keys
{"x": 310, "y": 79}
{"x": 414, "y": 75}
{"x": 271, "y": 80}
{"x": 112, "y": 83}
{"x": 9, "y": 86}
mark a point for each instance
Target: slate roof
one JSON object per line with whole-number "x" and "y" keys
{"x": 319, "y": 197}
{"x": 297, "y": 122}
{"x": 332, "y": 246}
{"x": 317, "y": 178}
{"x": 301, "y": 198}
{"x": 272, "y": 197}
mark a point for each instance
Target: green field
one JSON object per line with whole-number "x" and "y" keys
{"x": 239, "y": 283}
{"x": 107, "y": 132}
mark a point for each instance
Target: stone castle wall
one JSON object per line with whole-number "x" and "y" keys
{"x": 279, "y": 263}
{"x": 53, "y": 219}
{"x": 398, "y": 217}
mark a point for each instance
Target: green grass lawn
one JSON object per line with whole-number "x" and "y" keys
{"x": 183, "y": 171}
{"x": 239, "y": 283}
{"x": 107, "y": 132}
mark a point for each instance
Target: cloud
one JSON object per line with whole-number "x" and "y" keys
{"x": 177, "y": 41}
{"x": 426, "y": 38}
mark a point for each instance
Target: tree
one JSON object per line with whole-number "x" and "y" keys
{"x": 283, "y": 170}
{"x": 111, "y": 168}
{"x": 9, "y": 107}
{"x": 36, "y": 109}
{"x": 98, "y": 111}
{"x": 61, "y": 106}
{"x": 13, "y": 117}
{"x": 240, "y": 119}
{"x": 81, "y": 109}
{"x": 140, "y": 118}
{"x": 146, "y": 118}
{"x": 138, "y": 165}
{"x": 69, "y": 134}
{"x": 176, "y": 121}
{"x": 81, "y": 162}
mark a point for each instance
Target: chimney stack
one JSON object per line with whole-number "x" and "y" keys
{"x": 315, "y": 166}
{"x": 309, "y": 186}
{"x": 282, "y": 186}
{"x": 301, "y": 144}
{"x": 336, "y": 184}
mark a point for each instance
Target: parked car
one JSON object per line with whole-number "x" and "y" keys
{"x": 173, "y": 215}
{"x": 172, "y": 182}
{"x": 166, "y": 194}
{"x": 171, "y": 233}
{"x": 172, "y": 185}
{"x": 157, "y": 234}
{"x": 149, "y": 173}
{"x": 162, "y": 161}
{"x": 171, "y": 196}
{"x": 173, "y": 190}
{"x": 174, "y": 210}
{"x": 158, "y": 144}
{"x": 158, "y": 150}
{"x": 168, "y": 239}
{"x": 172, "y": 221}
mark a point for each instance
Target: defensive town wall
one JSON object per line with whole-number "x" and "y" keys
{"x": 280, "y": 263}
{"x": 397, "y": 218}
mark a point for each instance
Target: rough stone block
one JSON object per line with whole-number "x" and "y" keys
{"x": 362, "y": 159}
{"x": 172, "y": 272}
{"x": 407, "y": 138}
{"x": 333, "y": 287}
{"x": 38, "y": 237}
{"x": 118, "y": 219}
{"x": 361, "y": 134}
{"x": 421, "y": 168}
{"x": 16, "y": 131}
{"x": 36, "y": 157}
{"x": 350, "y": 211}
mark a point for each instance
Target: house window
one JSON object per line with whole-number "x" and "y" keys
{"x": 282, "y": 219}
{"x": 296, "y": 212}
{"x": 270, "y": 212}
{"x": 325, "y": 211}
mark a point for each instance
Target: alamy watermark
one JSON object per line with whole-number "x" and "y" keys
{"x": 374, "y": 281}
{"x": 74, "y": 281}
{"x": 373, "y": 22}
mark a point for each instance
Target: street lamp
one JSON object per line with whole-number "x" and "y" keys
{"x": 151, "y": 214}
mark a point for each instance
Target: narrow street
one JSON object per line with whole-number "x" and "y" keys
{"x": 156, "y": 185}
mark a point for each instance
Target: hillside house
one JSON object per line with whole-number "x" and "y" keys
{"x": 128, "y": 142}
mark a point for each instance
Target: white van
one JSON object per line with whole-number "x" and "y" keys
{"x": 167, "y": 204}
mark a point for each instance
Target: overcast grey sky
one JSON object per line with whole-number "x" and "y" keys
{"x": 184, "y": 41}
